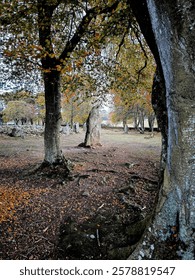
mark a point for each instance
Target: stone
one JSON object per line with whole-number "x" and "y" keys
{"x": 93, "y": 125}
{"x": 67, "y": 129}
{"x": 85, "y": 193}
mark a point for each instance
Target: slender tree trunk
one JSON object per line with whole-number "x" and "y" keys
{"x": 125, "y": 126}
{"x": 141, "y": 120}
{"x": 136, "y": 122}
{"x": 53, "y": 154}
{"x": 151, "y": 119}
{"x": 72, "y": 115}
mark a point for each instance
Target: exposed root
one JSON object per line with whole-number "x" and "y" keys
{"x": 94, "y": 146}
{"x": 83, "y": 145}
{"x": 60, "y": 168}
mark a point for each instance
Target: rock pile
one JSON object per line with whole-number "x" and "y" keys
{"x": 37, "y": 130}
{"x": 21, "y": 130}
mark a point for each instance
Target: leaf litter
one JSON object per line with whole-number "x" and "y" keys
{"x": 35, "y": 208}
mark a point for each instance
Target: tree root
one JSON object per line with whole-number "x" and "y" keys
{"x": 101, "y": 170}
{"x": 61, "y": 168}
{"x": 84, "y": 145}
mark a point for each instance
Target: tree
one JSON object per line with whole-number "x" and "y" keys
{"x": 40, "y": 108}
{"x": 132, "y": 79}
{"x": 174, "y": 22}
{"x": 75, "y": 110}
{"x": 18, "y": 111}
{"x": 52, "y": 68}
{"x": 21, "y": 99}
{"x": 169, "y": 30}
{"x": 22, "y": 95}
{"x": 38, "y": 30}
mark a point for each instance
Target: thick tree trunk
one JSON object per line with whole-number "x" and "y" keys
{"x": 177, "y": 201}
{"x": 173, "y": 27}
{"x": 160, "y": 109}
{"x": 53, "y": 154}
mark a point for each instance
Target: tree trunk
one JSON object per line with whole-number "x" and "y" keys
{"x": 93, "y": 128}
{"x": 141, "y": 120}
{"x": 53, "y": 154}
{"x": 136, "y": 122}
{"x": 125, "y": 126}
{"x": 72, "y": 115}
{"x": 151, "y": 119}
{"x": 160, "y": 109}
{"x": 174, "y": 218}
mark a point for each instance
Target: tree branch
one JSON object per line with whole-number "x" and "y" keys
{"x": 82, "y": 27}
{"x": 144, "y": 52}
{"x": 123, "y": 39}
{"x": 11, "y": 18}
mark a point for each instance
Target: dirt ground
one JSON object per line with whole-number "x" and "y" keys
{"x": 90, "y": 214}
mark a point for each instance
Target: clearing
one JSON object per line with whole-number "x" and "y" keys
{"x": 99, "y": 212}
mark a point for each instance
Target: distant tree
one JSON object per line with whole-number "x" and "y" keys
{"x": 40, "y": 108}
{"x": 133, "y": 81}
{"x": 22, "y": 95}
{"x": 19, "y": 111}
{"x": 75, "y": 110}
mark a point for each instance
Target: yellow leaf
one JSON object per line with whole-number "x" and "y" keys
{"x": 59, "y": 68}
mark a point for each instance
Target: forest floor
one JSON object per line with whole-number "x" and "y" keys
{"x": 90, "y": 215}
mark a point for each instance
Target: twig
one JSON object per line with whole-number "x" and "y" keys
{"x": 98, "y": 238}
{"x": 100, "y": 206}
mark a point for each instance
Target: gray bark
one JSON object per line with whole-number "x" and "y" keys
{"x": 173, "y": 28}
{"x": 141, "y": 120}
{"x": 93, "y": 128}
{"x": 151, "y": 120}
{"x": 125, "y": 126}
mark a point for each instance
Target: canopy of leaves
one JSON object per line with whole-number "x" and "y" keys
{"x": 132, "y": 78}
{"x": 75, "y": 110}
{"x": 95, "y": 45}
{"x": 19, "y": 95}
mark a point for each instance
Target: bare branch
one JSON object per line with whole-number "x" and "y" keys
{"x": 123, "y": 39}
{"x": 136, "y": 31}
